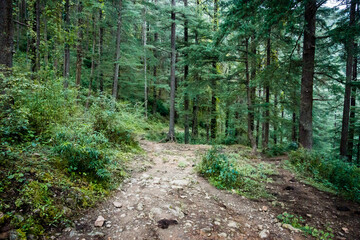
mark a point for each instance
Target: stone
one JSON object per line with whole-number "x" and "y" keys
{"x": 181, "y": 183}
{"x": 346, "y": 230}
{"x": 156, "y": 180}
{"x": 188, "y": 224}
{"x": 264, "y": 234}
{"x": 264, "y": 208}
{"x": 222, "y": 235}
{"x": 140, "y": 207}
{"x": 260, "y": 227}
{"x": 309, "y": 215}
{"x": 206, "y": 230}
{"x": 217, "y": 223}
{"x": 99, "y": 221}
{"x": 233, "y": 224}
{"x": 117, "y": 204}
{"x": 291, "y": 228}
{"x": 96, "y": 234}
{"x": 13, "y": 235}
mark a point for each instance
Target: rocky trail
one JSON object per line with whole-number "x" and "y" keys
{"x": 190, "y": 208}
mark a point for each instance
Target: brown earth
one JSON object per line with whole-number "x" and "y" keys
{"x": 170, "y": 189}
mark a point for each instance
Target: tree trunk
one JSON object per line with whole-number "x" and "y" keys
{"x": 117, "y": 54}
{"x": 306, "y": 99}
{"x": 213, "y": 114}
{"x": 349, "y": 46}
{"x": 293, "y": 135}
{"x": 93, "y": 64}
{"x": 249, "y": 91}
{"x": 352, "y": 110}
{"x": 267, "y": 98}
{"x": 186, "y": 73}
{"x": 275, "y": 118}
{"x": 37, "y": 59}
{"x": 6, "y": 34}
{"x": 67, "y": 46}
{"x": 101, "y": 40}
{"x": 171, "y": 134}
{"x": 144, "y": 30}
{"x": 79, "y": 46}
{"x": 194, "y": 126}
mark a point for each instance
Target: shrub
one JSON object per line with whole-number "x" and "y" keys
{"x": 341, "y": 175}
{"x": 81, "y": 149}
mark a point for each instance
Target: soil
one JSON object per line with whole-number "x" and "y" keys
{"x": 169, "y": 200}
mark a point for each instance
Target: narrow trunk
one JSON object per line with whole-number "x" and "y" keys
{"x": 213, "y": 114}
{"x": 306, "y": 99}
{"x": 6, "y": 34}
{"x": 276, "y": 122}
{"x": 117, "y": 54}
{"x": 267, "y": 98}
{"x": 171, "y": 134}
{"x": 293, "y": 135}
{"x": 186, "y": 73}
{"x": 194, "y": 127}
{"x": 250, "y": 119}
{"x": 46, "y": 52}
{"x": 67, "y": 46}
{"x": 101, "y": 40}
{"x": 352, "y": 110}
{"x": 144, "y": 29}
{"x": 349, "y": 46}
{"x": 93, "y": 64}
{"x": 156, "y": 37}
{"x": 35, "y": 42}
{"x": 79, "y": 46}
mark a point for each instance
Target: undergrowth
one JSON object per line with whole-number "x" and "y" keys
{"x": 337, "y": 174}
{"x": 56, "y": 156}
{"x": 235, "y": 172}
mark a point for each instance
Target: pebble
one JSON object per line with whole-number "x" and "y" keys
{"x": 117, "y": 204}
{"x": 346, "y": 230}
{"x": 233, "y": 224}
{"x": 140, "y": 207}
{"x": 264, "y": 234}
{"x": 291, "y": 228}
{"x": 99, "y": 221}
{"x": 223, "y": 235}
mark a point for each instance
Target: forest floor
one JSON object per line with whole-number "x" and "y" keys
{"x": 169, "y": 188}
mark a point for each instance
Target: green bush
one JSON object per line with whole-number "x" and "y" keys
{"x": 336, "y": 173}
{"x": 82, "y": 151}
{"x": 281, "y": 149}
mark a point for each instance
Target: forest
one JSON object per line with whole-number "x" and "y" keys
{"x": 87, "y": 85}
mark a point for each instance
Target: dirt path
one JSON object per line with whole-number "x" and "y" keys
{"x": 171, "y": 189}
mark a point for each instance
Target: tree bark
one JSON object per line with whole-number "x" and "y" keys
{"x": 213, "y": 114}
{"x": 349, "y": 46}
{"x": 267, "y": 98}
{"x": 101, "y": 41}
{"x": 117, "y": 54}
{"x": 249, "y": 90}
{"x": 93, "y": 64}
{"x": 67, "y": 46}
{"x": 79, "y": 52}
{"x": 144, "y": 30}
{"x": 171, "y": 134}
{"x": 186, "y": 73}
{"x": 6, "y": 35}
{"x": 352, "y": 110}
{"x": 306, "y": 99}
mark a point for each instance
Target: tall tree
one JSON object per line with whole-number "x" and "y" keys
{"x": 171, "y": 134}
{"x": 349, "y": 46}
{"x": 186, "y": 73}
{"x": 144, "y": 37}
{"x": 306, "y": 99}
{"x": 267, "y": 97}
{"x": 117, "y": 53}
{"x": 79, "y": 50}
{"x": 6, "y": 33}
{"x": 100, "y": 51}
{"x": 67, "y": 45}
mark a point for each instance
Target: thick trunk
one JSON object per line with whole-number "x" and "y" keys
{"x": 349, "y": 45}
{"x": 352, "y": 110}
{"x": 306, "y": 100}
{"x": 67, "y": 46}
{"x": 117, "y": 54}
{"x": 171, "y": 134}
{"x": 6, "y": 34}
{"x": 154, "y": 106}
{"x": 79, "y": 46}
{"x": 186, "y": 73}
